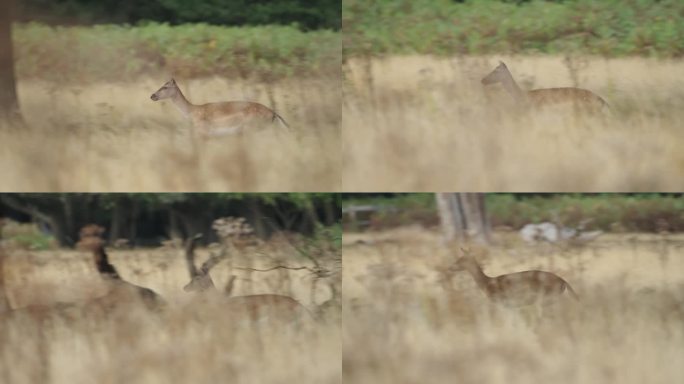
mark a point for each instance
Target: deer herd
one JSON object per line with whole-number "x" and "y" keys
{"x": 237, "y": 117}
{"x": 120, "y": 293}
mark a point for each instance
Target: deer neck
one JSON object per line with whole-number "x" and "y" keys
{"x": 103, "y": 266}
{"x": 512, "y": 88}
{"x": 479, "y": 276}
{"x": 183, "y": 105}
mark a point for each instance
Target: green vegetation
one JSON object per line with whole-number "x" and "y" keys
{"x": 26, "y": 236}
{"x": 147, "y": 217}
{"x": 609, "y": 212}
{"x": 121, "y": 52}
{"x": 307, "y": 14}
{"x": 443, "y": 27}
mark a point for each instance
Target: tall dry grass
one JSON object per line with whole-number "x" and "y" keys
{"x": 195, "y": 339}
{"x": 112, "y": 137}
{"x": 407, "y": 320}
{"x": 418, "y": 123}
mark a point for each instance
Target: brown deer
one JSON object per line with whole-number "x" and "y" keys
{"x": 584, "y": 100}
{"x": 515, "y": 289}
{"x": 222, "y": 118}
{"x": 255, "y": 307}
{"x": 119, "y": 290}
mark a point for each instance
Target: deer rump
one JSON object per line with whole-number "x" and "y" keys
{"x": 528, "y": 287}
{"x": 582, "y": 98}
{"x": 267, "y": 307}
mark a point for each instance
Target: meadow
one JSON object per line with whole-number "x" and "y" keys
{"x": 425, "y": 123}
{"x": 84, "y": 93}
{"x": 192, "y": 340}
{"x": 111, "y": 137}
{"x": 409, "y": 319}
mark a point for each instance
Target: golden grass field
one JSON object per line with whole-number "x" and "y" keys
{"x": 192, "y": 341}
{"x": 112, "y": 137}
{"x": 407, "y": 320}
{"x": 419, "y": 123}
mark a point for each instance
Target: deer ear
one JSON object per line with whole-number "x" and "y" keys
{"x": 502, "y": 63}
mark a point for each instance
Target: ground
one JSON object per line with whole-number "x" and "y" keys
{"x": 422, "y": 123}
{"x": 193, "y": 340}
{"x": 408, "y": 320}
{"x": 112, "y": 137}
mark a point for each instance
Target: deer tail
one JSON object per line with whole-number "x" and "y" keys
{"x": 572, "y": 291}
{"x": 280, "y": 120}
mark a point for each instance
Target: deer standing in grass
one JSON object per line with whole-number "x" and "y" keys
{"x": 516, "y": 289}
{"x": 120, "y": 293}
{"x": 118, "y": 289}
{"x": 584, "y": 100}
{"x": 222, "y": 118}
{"x": 256, "y": 307}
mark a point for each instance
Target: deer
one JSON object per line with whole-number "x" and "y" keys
{"x": 515, "y": 289}
{"x": 585, "y": 100}
{"x": 255, "y": 307}
{"x": 220, "y": 118}
{"x": 119, "y": 293}
{"x": 119, "y": 290}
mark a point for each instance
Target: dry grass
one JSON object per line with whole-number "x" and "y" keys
{"x": 112, "y": 137}
{"x": 193, "y": 340}
{"x": 407, "y": 321}
{"x": 426, "y": 124}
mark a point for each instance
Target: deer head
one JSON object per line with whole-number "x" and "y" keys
{"x": 497, "y": 75}
{"x": 169, "y": 89}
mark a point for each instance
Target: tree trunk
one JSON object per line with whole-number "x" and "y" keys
{"x": 451, "y": 216}
{"x": 463, "y": 216}
{"x": 4, "y": 301}
{"x": 9, "y": 106}
{"x": 133, "y": 226}
{"x": 174, "y": 230}
{"x": 117, "y": 222}
{"x": 254, "y": 206}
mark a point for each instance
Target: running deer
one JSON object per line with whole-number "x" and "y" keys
{"x": 222, "y": 118}
{"x": 584, "y": 100}
{"x": 255, "y": 307}
{"x": 516, "y": 289}
{"x": 119, "y": 290}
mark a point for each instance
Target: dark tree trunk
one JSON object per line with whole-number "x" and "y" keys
{"x": 133, "y": 223}
{"x": 257, "y": 217}
{"x": 9, "y": 106}
{"x": 118, "y": 219}
{"x": 4, "y": 301}
{"x": 329, "y": 209}
{"x": 174, "y": 230}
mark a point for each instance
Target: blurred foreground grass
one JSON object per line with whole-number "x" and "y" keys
{"x": 195, "y": 339}
{"x": 421, "y": 123}
{"x": 112, "y": 137}
{"x": 408, "y": 319}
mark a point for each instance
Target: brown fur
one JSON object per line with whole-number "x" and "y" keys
{"x": 584, "y": 100}
{"x": 520, "y": 288}
{"x": 283, "y": 308}
{"x": 213, "y": 119}
{"x": 119, "y": 289}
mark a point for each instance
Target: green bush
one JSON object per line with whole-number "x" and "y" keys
{"x": 608, "y": 212}
{"x": 317, "y": 14}
{"x": 115, "y": 52}
{"x": 443, "y": 27}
